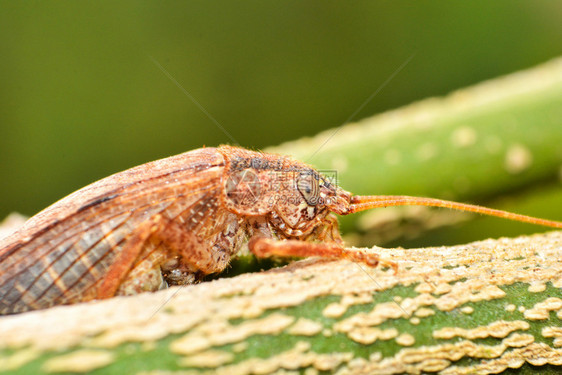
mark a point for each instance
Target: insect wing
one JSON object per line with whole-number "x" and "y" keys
{"x": 83, "y": 232}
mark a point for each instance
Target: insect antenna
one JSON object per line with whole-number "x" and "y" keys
{"x": 365, "y": 202}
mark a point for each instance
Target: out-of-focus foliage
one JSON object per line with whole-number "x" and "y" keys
{"x": 82, "y": 96}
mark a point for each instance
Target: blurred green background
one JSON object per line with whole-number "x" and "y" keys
{"x": 83, "y": 96}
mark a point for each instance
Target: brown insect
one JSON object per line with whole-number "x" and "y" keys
{"x": 173, "y": 220}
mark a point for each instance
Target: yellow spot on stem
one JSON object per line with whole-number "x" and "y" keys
{"x": 424, "y": 312}
{"x": 79, "y": 361}
{"x": 519, "y": 340}
{"x": 463, "y": 137}
{"x": 240, "y": 347}
{"x": 537, "y": 287}
{"x": 18, "y": 359}
{"x": 405, "y": 339}
{"x": 222, "y": 333}
{"x": 467, "y": 310}
{"x": 305, "y": 327}
{"x": 368, "y": 335}
{"x": 209, "y": 358}
{"x": 496, "y": 329}
{"x": 555, "y": 332}
{"x": 541, "y": 310}
{"x": 334, "y": 310}
{"x": 517, "y": 159}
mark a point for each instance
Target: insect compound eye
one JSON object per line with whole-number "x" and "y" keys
{"x": 308, "y": 186}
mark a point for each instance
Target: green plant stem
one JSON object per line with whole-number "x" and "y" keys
{"x": 477, "y": 308}
{"x": 476, "y": 144}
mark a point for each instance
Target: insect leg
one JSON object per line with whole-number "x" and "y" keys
{"x": 198, "y": 253}
{"x": 264, "y": 247}
{"x": 195, "y": 252}
{"x": 328, "y": 232}
{"x": 127, "y": 257}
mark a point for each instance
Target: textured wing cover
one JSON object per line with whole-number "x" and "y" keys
{"x": 62, "y": 253}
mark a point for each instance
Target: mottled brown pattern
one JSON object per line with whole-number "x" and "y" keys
{"x": 171, "y": 220}
{"x": 64, "y": 250}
